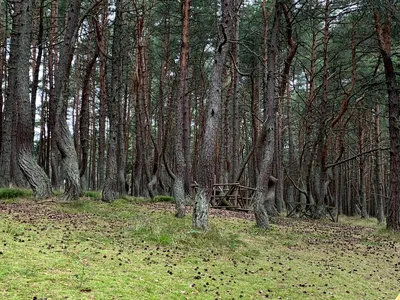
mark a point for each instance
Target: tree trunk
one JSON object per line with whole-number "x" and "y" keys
{"x": 380, "y": 213}
{"x": 362, "y": 192}
{"x": 263, "y": 205}
{"x": 21, "y": 43}
{"x": 235, "y": 123}
{"x": 292, "y": 161}
{"x": 3, "y": 56}
{"x": 10, "y": 172}
{"x": 383, "y": 35}
{"x": 102, "y": 44}
{"x": 208, "y": 151}
{"x": 181, "y": 167}
{"x": 52, "y": 71}
{"x": 322, "y": 140}
{"x": 279, "y": 171}
{"x": 84, "y": 116}
{"x": 115, "y": 185}
{"x": 37, "y": 64}
{"x": 63, "y": 136}
{"x": 200, "y": 210}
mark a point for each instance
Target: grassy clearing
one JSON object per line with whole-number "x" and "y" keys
{"x": 127, "y": 250}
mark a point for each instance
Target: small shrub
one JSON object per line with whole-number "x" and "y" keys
{"x": 9, "y": 193}
{"x": 165, "y": 239}
{"x": 95, "y": 195}
{"x": 162, "y": 198}
{"x": 57, "y": 193}
{"x": 132, "y": 199}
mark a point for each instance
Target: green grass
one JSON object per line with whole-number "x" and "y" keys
{"x": 162, "y": 198}
{"x": 125, "y": 250}
{"x": 11, "y": 193}
{"x": 95, "y": 195}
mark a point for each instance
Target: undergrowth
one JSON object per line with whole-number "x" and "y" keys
{"x": 11, "y": 193}
{"x": 124, "y": 250}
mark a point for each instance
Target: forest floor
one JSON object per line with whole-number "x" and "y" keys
{"x": 127, "y": 250}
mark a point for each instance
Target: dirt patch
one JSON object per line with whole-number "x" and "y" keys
{"x": 222, "y": 213}
{"x": 32, "y": 211}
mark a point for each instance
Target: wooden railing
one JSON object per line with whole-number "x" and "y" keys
{"x": 232, "y": 195}
{"x": 312, "y": 211}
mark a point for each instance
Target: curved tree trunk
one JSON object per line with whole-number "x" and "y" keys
{"x": 65, "y": 142}
{"x": 35, "y": 175}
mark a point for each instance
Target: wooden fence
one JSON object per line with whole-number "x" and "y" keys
{"x": 232, "y": 195}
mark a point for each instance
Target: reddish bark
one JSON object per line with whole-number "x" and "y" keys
{"x": 383, "y": 32}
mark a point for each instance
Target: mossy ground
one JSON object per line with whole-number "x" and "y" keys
{"x": 126, "y": 250}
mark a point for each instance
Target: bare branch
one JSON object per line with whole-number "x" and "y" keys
{"x": 356, "y": 156}
{"x": 295, "y": 185}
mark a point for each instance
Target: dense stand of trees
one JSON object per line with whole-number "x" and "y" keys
{"x": 297, "y": 98}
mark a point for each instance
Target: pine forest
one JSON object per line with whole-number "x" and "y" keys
{"x": 270, "y": 106}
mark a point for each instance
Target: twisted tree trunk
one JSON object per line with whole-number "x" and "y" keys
{"x": 63, "y": 136}
{"x": 21, "y": 43}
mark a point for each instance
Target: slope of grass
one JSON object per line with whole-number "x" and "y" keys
{"x": 93, "y": 250}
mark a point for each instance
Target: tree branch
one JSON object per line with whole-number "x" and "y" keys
{"x": 356, "y": 156}
{"x": 295, "y": 185}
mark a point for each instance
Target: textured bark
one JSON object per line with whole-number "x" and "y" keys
{"x": 179, "y": 196}
{"x": 322, "y": 140}
{"x": 200, "y": 210}
{"x": 361, "y": 170}
{"x": 84, "y": 115}
{"x": 260, "y": 213}
{"x": 262, "y": 204}
{"x": 37, "y": 178}
{"x": 102, "y": 44}
{"x": 181, "y": 167}
{"x": 44, "y": 145}
{"x": 63, "y": 136}
{"x": 383, "y": 32}
{"x": 5, "y": 150}
{"x": 10, "y": 173}
{"x": 37, "y": 63}
{"x": 3, "y": 55}
{"x": 7, "y": 118}
{"x": 292, "y": 160}
{"x": 282, "y": 89}
{"x": 279, "y": 170}
{"x": 114, "y": 186}
{"x": 141, "y": 173}
{"x": 380, "y": 211}
{"x": 235, "y": 122}
{"x": 21, "y": 37}
{"x": 52, "y": 71}
{"x": 255, "y": 124}
{"x": 208, "y": 152}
